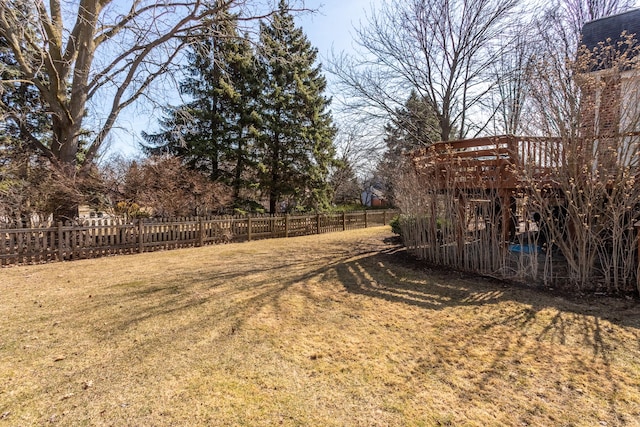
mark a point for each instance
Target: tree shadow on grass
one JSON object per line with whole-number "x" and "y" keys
{"x": 210, "y": 308}
{"x": 540, "y": 324}
{"x": 395, "y": 276}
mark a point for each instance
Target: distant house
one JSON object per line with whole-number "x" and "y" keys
{"x": 374, "y": 197}
{"x": 611, "y": 85}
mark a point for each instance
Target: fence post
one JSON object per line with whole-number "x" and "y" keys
{"x": 286, "y": 225}
{"x": 344, "y": 221}
{"x": 317, "y": 223}
{"x": 366, "y": 220}
{"x": 637, "y": 227}
{"x": 249, "y": 229}
{"x": 384, "y": 217}
{"x": 272, "y": 225}
{"x": 140, "y": 236}
{"x": 201, "y": 225}
{"x": 60, "y": 251}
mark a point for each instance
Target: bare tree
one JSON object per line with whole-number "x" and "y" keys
{"x": 102, "y": 51}
{"x": 553, "y": 91}
{"x": 512, "y": 71}
{"x": 579, "y": 182}
{"x": 162, "y": 186}
{"x": 579, "y": 12}
{"x": 442, "y": 49}
{"x": 360, "y": 146}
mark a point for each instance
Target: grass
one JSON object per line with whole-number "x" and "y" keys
{"x": 331, "y": 330}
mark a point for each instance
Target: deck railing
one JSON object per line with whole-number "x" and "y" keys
{"x": 489, "y": 162}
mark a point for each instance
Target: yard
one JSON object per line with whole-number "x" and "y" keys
{"x": 335, "y": 329}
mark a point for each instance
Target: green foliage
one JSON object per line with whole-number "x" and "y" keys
{"x": 296, "y": 149}
{"x": 22, "y": 110}
{"x": 411, "y": 127}
{"x": 244, "y": 207}
{"x": 215, "y": 133}
{"x": 257, "y": 122}
{"x": 395, "y": 225}
{"x": 348, "y": 207}
{"x": 398, "y": 221}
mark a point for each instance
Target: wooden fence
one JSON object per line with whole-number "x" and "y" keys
{"x": 97, "y": 238}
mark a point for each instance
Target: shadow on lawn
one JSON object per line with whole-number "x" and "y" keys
{"x": 541, "y": 325}
{"x": 395, "y": 276}
{"x": 213, "y": 307}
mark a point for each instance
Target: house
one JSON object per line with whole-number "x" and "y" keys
{"x": 86, "y": 212}
{"x": 374, "y": 197}
{"x": 610, "y": 83}
{"x": 483, "y": 197}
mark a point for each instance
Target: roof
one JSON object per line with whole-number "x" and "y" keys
{"x": 609, "y": 31}
{"x": 611, "y": 28}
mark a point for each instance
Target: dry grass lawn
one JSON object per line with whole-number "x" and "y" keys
{"x": 330, "y": 330}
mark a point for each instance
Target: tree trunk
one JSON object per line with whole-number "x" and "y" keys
{"x": 238, "y": 172}
{"x": 273, "y": 202}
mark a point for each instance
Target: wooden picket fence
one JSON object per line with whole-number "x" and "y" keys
{"x": 98, "y": 238}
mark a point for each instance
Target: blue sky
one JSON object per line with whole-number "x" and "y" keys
{"x": 332, "y": 26}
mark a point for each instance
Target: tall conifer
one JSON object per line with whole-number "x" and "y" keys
{"x": 214, "y": 132}
{"x": 297, "y": 132}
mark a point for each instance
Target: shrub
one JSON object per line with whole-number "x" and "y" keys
{"x": 395, "y": 225}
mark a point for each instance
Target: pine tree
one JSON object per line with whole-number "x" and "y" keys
{"x": 413, "y": 126}
{"x": 297, "y": 142}
{"x": 242, "y": 90}
{"x": 214, "y": 132}
{"x": 22, "y": 170}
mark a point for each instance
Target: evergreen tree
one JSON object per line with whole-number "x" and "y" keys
{"x": 413, "y": 126}
{"x": 242, "y": 90}
{"x": 214, "y": 132}
{"x": 22, "y": 170}
{"x": 297, "y": 142}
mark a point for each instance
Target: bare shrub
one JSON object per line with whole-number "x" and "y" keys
{"x": 162, "y": 186}
{"x": 557, "y": 210}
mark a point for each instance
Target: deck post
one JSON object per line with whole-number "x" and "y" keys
{"x": 508, "y": 211}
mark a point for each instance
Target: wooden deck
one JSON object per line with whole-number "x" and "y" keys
{"x": 497, "y": 162}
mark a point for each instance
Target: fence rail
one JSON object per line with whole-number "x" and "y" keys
{"x": 97, "y": 238}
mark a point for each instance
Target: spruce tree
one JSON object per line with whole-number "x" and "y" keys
{"x": 214, "y": 132}
{"x": 297, "y": 132}
{"x": 241, "y": 89}
{"x": 23, "y": 171}
{"x": 413, "y": 126}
